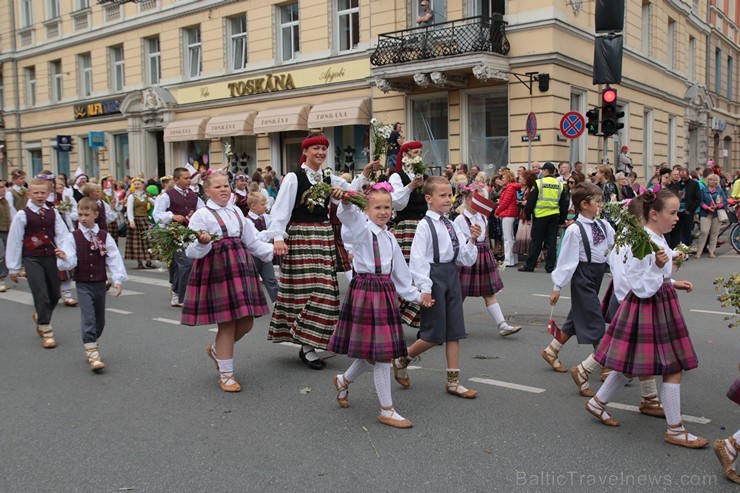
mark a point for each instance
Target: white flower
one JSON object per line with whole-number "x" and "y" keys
{"x": 373, "y": 121}
{"x": 327, "y": 172}
{"x": 418, "y": 176}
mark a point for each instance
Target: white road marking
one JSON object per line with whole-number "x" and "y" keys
{"x": 713, "y": 313}
{"x": 149, "y": 280}
{"x": 515, "y": 386}
{"x": 215, "y": 329}
{"x": 547, "y": 296}
{"x": 116, "y": 310}
{"x": 685, "y": 417}
{"x": 167, "y": 321}
{"x": 293, "y": 344}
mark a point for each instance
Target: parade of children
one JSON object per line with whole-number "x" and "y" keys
{"x": 237, "y": 252}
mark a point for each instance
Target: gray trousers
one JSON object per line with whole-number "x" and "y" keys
{"x": 91, "y": 296}
{"x": 3, "y": 243}
{"x": 267, "y": 272}
{"x": 43, "y": 280}
{"x": 180, "y": 269}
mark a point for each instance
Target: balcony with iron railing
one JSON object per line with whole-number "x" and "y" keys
{"x": 442, "y": 55}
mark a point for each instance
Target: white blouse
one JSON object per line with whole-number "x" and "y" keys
{"x": 14, "y": 245}
{"x": 644, "y": 277}
{"x": 357, "y": 233}
{"x": 204, "y": 220}
{"x": 572, "y": 250}
{"x": 475, "y": 218}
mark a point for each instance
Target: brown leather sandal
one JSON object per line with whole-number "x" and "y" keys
{"x": 390, "y": 421}
{"x": 226, "y": 386}
{"x": 47, "y": 337}
{"x": 403, "y": 364}
{"x": 724, "y": 458}
{"x": 671, "y": 438}
{"x": 554, "y": 362}
{"x": 454, "y": 388}
{"x": 211, "y": 350}
{"x": 343, "y": 387}
{"x": 581, "y": 381}
{"x": 599, "y": 412}
{"x": 93, "y": 359}
{"x": 651, "y": 406}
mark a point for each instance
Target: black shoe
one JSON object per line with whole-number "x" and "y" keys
{"x": 524, "y": 268}
{"x": 318, "y": 364}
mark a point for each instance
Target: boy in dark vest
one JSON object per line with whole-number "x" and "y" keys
{"x": 7, "y": 211}
{"x": 89, "y": 250}
{"x": 257, "y": 207}
{"x": 32, "y": 239}
{"x": 178, "y": 204}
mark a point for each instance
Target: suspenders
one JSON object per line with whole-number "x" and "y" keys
{"x": 435, "y": 241}
{"x": 222, "y": 224}
{"x": 584, "y": 237}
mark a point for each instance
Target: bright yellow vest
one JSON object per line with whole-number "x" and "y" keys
{"x": 548, "y": 199}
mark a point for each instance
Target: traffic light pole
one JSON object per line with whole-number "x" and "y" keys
{"x": 606, "y": 150}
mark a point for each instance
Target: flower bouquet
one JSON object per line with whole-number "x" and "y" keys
{"x": 414, "y": 166}
{"x": 680, "y": 259}
{"x": 165, "y": 242}
{"x": 628, "y": 232}
{"x": 379, "y": 135}
{"x": 730, "y": 297}
{"x": 63, "y": 206}
{"x": 317, "y": 195}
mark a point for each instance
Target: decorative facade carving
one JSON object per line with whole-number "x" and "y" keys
{"x": 422, "y": 80}
{"x": 486, "y": 72}
{"x": 441, "y": 79}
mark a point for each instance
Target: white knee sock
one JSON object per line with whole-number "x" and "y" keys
{"x": 648, "y": 388}
{"x": 226, "y": 367}
{"x": 357, "y": 368}
{"x": 670, "y": 394}
{"x": 554, "y": 348}
{"x": 382, "y": 377}
{"x": 496, "y": 313}
{"x": 612, "y": 384}
{"x": 348, "y": 275}
{"x": 590, "y": 364}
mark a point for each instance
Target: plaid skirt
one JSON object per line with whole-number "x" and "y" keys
{"x": 405, "y": 231}
{"x": 343, "y": 263}
{"x": 410, "y": 313}
{"x": 137, "y": 248}
{"x": 307, "y": 305}
{"x": 369, "y": 324}
{"x": 223, "y": 286}
{"x": 113, "y": 231}
{"x": 66, "y": 275}
{"x": 648, "y": 336}
{"x": 481, "y": 278}
{"x": 523, "y": 238}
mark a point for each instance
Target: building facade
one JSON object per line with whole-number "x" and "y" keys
{"x": 154, "y": 84}
{"x": 722, "y": 83}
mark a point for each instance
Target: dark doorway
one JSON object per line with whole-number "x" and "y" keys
{"x": 161, "y": 171}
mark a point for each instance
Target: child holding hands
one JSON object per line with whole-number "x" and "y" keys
{"x": 369, "y": 328}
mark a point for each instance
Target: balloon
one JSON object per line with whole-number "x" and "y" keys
{"x": 205, "y": 159}
{"x": 191, "y": 160}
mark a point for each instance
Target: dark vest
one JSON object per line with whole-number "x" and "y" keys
{"x": 241, "y": 203}
{"x": 77, "y": 194}
{"x": 100, "y": 221}
{"x": 417, "y": 207}
{"x": 35, "y": 225}
{"x": 20, "y": 199}
{"x": 301, "y": 213}
{"x": 182, "y": 205}
{"x": 4, "y": 215}
{"x": 90, "y": 264}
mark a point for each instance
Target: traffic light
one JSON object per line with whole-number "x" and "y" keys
{"x": 610, "y": 114}
{"x": 593, "y": 121}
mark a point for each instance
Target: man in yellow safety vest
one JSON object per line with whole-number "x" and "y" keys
{"x": 549, "y": 205}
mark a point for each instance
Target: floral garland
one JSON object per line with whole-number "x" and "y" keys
{"x": 165, "y": 242}
{"x": 730, "y": 298}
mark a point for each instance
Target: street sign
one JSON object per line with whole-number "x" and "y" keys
{"x": 572, "y": 125}
{"x": 537, "y": 138}
{"x": 64, "y": 143}
{"x": 96, "y": 139}
{"x": 532, "y": 126}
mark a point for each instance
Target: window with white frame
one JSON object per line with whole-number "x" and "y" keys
{"x": 671, "y": 140}
{"x": 289, "y": 43}
{"x": 430, "y": 125}
{"x": 82, "y": 4}
{"x": 671, "y": 43}
{"x": 647, "y": 139}
{"x": 348, "y": 24}
{"x": 647, "y": 28}
{"x": 29, "y": 76}
{"x": 237, "y": 32}
{"x": 193, "y": 52}
{"x": 730, "y": 68}
{"x": 84, "y": 62}
{"x": 152, "y": 60}
{"x": 118, "y": 72}
{"x": 53, "y": 9}
{"x": 438, "y": 7}
{"x": 718, "y": 71}
{"x": 692, "y": 58}
{"x": 26, "y": 13}
{"x": 486, "y": 128}
{"x": 55, "y": 72}
{"x": 487, "y": 8}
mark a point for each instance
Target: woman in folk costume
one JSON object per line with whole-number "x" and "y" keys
{"x": 108, "y": 187}
{"x": 240, "y": 194}
{"x": 78, "y": 183}
{"x": 648, "y": 335}
{"x": 63, "y": 203}
{"x": 137, "y": 214}
{"x": 410, "y": 207}
{"x": 307, "y": 306}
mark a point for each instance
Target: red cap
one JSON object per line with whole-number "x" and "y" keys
{"x": 315, "y": 140}
{"x": 412, "y": 144}
{"x": 625, "y": 148}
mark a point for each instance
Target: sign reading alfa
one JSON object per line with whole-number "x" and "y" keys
{"x": 261, "y": 85}
{"x": 101, "y": 108}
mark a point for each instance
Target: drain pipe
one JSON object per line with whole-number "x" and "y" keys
{"x": 14, "y": 47}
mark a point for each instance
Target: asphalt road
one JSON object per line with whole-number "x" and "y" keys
{"x": 156, "y": 421}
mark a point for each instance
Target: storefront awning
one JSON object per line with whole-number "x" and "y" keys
{"x": 282, "y": 119}
{"x": 339, "y": 113}
{"x": 231, "y": 125}
{"x": 178, "y": 131}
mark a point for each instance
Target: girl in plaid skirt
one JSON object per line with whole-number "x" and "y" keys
{"x": 137, "y": 213}
{"x": 648, "y": 335}
{"x": 224, "y": 285}
{"x": 482, "y": 279}
{"x": 369, "y": 328}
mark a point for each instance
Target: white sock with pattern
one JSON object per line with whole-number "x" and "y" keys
{"x": 357, "y": 368}
{"x": 382, "y": 378}
{"x": 226, "y": 367}
{"x": 670, "y": 394}
{"x": 612, "y": 384}
{"x": 554, "y": 348}
{"x": 648, "y": 388}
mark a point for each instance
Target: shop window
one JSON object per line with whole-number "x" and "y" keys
{"x": 237, "y": 32}
{"x": 29, "y": 74}
{"x": 348, "y": 24}
{"x": 243, "y": 154}
{"x": 289, "y": 40}
{"x": 86, "y": 74}
{"x": 62, "y": 159}
{"x": 118, "y": 73}
{"x": 197, "y": 153}
{"x": 120, "y": 144}
{"x": 90, "y": 159}
{"x": 55, "y": 72}
{"x": 429, "y": 119}
{"x": 193, "y": 53}
{"x": 488, "y": 128}
{"x": 153, "y": 60}
{"x": 350, "y": 143}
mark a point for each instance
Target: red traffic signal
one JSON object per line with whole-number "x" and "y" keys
{"x": 609, "y": 96}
